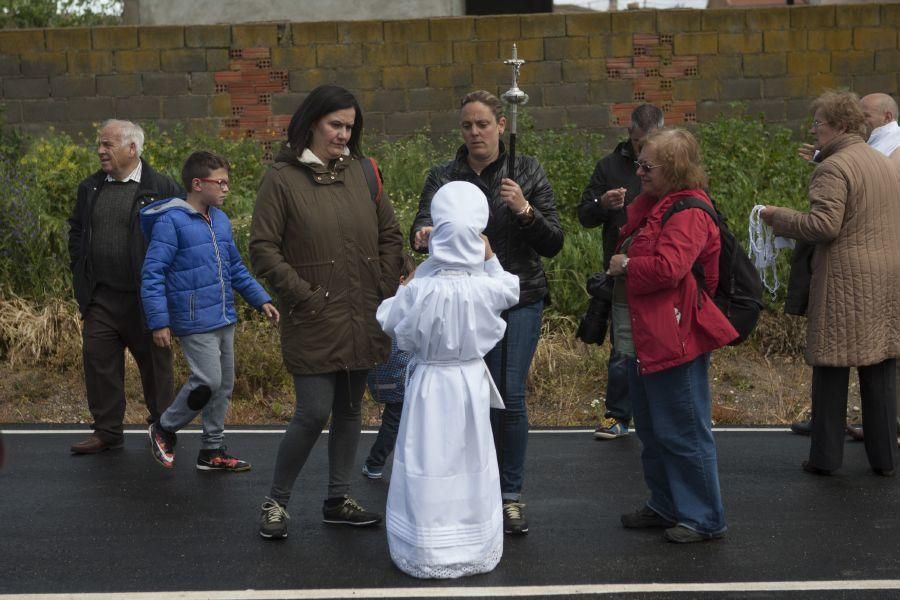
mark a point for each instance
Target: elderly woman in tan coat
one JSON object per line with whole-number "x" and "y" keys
{"x": 854, "y": 299}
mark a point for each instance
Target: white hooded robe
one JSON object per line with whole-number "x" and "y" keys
{"x": 444, "y": 509}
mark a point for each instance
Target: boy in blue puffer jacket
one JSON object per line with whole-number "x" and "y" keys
{"x": 190, "y": 271}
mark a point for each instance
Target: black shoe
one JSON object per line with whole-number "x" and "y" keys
{"x": 218, "y": 460}
{"x": 883, "y": 472}
{"x": 802, "y": 427}
{"x": 855, "y": 432}
{"x": 645, "y": 518}
{"x": 273, "y": 520}
{"x": 162, "y": 443}
{"x": 814, "y": 470}
{"x": 347, "y": 511}
{"x": 514, "y": 522}
{"x": 682, "y": 535}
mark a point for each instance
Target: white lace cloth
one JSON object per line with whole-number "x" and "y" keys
{"x": 422, "y": 570}
{"x": 764, "y": 249}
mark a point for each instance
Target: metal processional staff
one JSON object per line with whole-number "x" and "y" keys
{"x": 514, "y": 97}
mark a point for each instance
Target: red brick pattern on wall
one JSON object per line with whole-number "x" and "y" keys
{"x": 250, "y": 82}
{"x": 652, "y": 69}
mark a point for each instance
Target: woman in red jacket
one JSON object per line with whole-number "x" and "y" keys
{"x": 667, "y": 323}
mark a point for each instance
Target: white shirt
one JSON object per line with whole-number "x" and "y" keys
{"x": 886, "y": 138}
{"x": 133, "y": 176}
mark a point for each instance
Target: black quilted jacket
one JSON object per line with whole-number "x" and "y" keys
{"x": 519, "y": 248}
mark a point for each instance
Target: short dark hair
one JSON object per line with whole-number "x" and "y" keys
{"x": 324, "y": 100}
{"x": 409, "y": 265}
{"x": 199, "y": 165}
{"x": 647, "y": 117}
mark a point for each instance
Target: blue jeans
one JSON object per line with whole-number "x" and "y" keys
{"x": 510, "y": 426}
{"x": 387, "y": 435}
{"x": 672, "y": 417}
{"x": 618, "y": 404}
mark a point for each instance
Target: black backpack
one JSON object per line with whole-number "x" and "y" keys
{"x": 740, "y": 290}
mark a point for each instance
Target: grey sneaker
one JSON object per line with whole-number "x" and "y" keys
{"x": 372, "y": 472}
{"x": 645, "y": 518}
{"x": 682, "y": 535}
{"x": 514, "y": 522}
{"x": 273, "y": 520}
{"x": 347, "y": 511}
{"x": 616, "y": 430}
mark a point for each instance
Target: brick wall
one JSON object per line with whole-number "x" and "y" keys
{"x": 583, "y": 69}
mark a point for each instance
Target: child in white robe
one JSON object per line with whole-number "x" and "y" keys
{"x": 444, "y": 510}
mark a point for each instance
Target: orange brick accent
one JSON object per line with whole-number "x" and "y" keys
{"x": 651, "y": 70}
{"x": 250, "y": 82}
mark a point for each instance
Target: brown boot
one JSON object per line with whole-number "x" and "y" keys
{"x": 94, "y": 445}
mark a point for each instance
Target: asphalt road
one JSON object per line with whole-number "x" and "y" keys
{"x": 119, "y": 523}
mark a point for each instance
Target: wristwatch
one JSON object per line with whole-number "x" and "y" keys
{"x": 526, "y": 213}
{"x": 625, "y": 265}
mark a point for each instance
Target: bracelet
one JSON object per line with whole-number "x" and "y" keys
{"x": 528, "y": 211}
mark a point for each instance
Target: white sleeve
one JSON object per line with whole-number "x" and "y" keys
{"x": 508, "y": 294}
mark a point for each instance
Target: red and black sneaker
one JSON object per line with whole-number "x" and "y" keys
{"x": 162, "y": 443}
{"x": 217, "y": 460}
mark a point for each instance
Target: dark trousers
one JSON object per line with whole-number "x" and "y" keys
{"x": 338, "y": 395}
{"x": 877, "y": 390}
{"x": 387, "y": 435}
{"x": 113, "y": 323}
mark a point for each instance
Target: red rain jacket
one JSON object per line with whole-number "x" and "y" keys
{"x": 672, "y": 320}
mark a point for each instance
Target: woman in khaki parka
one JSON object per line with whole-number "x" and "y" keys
{"x": 331, "y": 252}
{"x": 854, "y": 297}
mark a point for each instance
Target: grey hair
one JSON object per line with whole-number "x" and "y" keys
{"x": 131, "y": 132}
{"x": 647, "y": 117}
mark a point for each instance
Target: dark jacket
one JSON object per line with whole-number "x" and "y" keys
{"x": 192, "y": 269}
{"x": 519, "y": 248}
{"x": 153, "y": 186}
{"x": 331, "y": 254}
{"x": 615, "y": 170}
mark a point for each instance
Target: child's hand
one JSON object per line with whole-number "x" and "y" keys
{"x": 163, "y": 337}
{"x": 271, "y": 312}
{"x": 421, "y": 239}
{"x": 488, "y": 251}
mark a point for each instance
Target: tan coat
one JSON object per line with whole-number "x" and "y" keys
{"x": 854, "y": 220}
{"x": 331, "y": 254}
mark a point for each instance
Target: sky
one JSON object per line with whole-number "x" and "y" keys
{"x": 604, "y": 4}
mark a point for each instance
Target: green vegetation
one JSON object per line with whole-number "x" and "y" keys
{"x": 748, "y": 162}
{"x": 59, "y": 13}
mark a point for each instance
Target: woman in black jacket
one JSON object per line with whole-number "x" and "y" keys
{"x": 523, "y": 226}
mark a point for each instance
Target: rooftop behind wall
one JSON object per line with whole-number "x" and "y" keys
{"x": 587, "y": 70}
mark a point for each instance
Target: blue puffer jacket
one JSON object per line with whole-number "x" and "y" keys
{"x": 191, "y": 268}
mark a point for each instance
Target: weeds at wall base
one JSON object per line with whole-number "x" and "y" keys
{"x": 44, "y": 382}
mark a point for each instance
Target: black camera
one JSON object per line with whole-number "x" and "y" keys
{"x": 594, "y": 323}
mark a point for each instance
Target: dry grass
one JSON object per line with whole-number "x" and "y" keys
{"x": 30, "y": 334}
{"x": 41, "y": 379}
